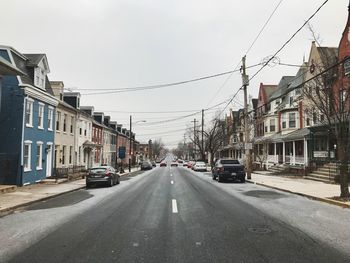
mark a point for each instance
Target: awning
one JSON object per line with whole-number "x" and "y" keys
{"x": 89, "y": 144}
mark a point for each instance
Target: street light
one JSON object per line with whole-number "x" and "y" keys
{"x": 130, "y": 134}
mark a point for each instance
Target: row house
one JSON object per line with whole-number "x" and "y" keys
{"x": 65, "y": 132}
{"x": 27, "y": 119}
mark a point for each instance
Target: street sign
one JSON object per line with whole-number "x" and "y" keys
{"x": 121, "y": 152}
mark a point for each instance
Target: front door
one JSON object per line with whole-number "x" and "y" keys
{"x": 49, "y": 160}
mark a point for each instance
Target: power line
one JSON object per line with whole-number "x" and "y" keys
{"x": 248, "y": 50}
{"x": 278, "y": 51}
{"x": 159, "y": 86}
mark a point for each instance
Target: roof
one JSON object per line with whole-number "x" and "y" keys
{"x": 297, "y": 135}
{"x": 329, "y": 55}
{"x": 300, "y": 77}
{"x": 282, "y": 87}
{"x": 6, "y": 68}
{"x": 34, "y": 59}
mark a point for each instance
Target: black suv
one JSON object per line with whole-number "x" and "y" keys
{"x": 228, "y": 169}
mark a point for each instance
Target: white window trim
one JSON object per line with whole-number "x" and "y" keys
{"x": 29, "y": 168}
{"x": 50, "y": 128}
{"x": 40, "y": 167}
{"x": 30, "y": 124}
{"x": 41, "y": 125}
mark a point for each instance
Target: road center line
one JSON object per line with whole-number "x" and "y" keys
{"x": 171, "y": 174}
{"x": 175, "y": 211}
{"x": 172, "y": 182}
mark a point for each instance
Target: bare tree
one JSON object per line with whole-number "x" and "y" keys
{"x": 158, "y": 147}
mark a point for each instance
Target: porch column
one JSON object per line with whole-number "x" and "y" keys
{"x": 306, "y": 157}
{"x": 293, "y": 161}
{"x": 275, "y": 153}
{"x": 284, "y": 153}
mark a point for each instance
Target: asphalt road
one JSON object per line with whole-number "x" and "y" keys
{"x": 171, "y": 215}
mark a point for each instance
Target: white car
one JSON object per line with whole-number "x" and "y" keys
{"x": 200, "y": 167}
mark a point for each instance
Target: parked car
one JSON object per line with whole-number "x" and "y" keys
{"x": 154, "y": 164}
{"x": 102, "y": 174}
{"x": 190, "y": 164}
{"x": 146, "y": 165}
{"x": 185, "y": 164}
{"x": 200, "y": 167}
{"x": 174, "y": 164}
{"x": 163, "y": 164}
{"x": 228, "y": 169}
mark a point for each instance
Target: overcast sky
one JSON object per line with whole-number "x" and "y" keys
{"x": 108, "y": 44}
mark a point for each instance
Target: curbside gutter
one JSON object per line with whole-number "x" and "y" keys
{"x": 325, "y": 200}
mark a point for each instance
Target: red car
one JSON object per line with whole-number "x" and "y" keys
{"x": 190, "y": 165}
{"x": 162, "y": 164}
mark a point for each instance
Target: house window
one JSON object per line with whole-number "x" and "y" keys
{"x": 64, "y": 122}
{"x": 58, "y": 119}
{"x": 71, "y": 124}
{"x": 79, "y": 155}
{"x": 29, "y": 113}
{"x": 342, "y": 98}
{"x": 39, "y": 156}
{"x": 64, "y": 154}
{"x": 347, "y": 67}
{"x": 322, "y": 117}
{"x": 272, "y": 125}
{"x": 290, "y": 101}
{"x": 284, "y": 123}
{"x": 307, "y": 121}
{"x": 291, "y": 120}
{"x": 27, "y": 156}
{"x": 85, "y": 128}
{"x": 314, "y": 117}
{"x": 41, "y": 116}
{"x": 70, "y": 154}
{"x": 49, "y": 118}
{"x": 266, "y": 129}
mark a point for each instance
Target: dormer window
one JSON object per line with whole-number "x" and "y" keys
{"x": 40, "y": 76}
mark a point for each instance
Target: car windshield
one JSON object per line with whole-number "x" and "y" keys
{"x": 229, "y": 162}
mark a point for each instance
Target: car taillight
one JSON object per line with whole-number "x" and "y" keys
{"x": 108, "y": 174}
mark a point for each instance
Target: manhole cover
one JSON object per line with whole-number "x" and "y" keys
{"x": 259, "y": 229}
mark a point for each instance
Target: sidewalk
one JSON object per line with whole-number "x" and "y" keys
{"x": 311, "y": 189}
{"x": 26, "y": 195}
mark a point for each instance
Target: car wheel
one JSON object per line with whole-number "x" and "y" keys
{"x": 214, "y": 177}
{"x": 88, "y": 185}
{"x": 118, "y": 181}
{"x": 111, "y": 183}
{"x": 219, "y": 179}
{"x": 243, "y": 180}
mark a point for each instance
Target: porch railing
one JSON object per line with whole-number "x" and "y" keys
{"x": 65, "y": 172}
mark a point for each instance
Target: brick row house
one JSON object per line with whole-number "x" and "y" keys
{"x": 44, "y": 130}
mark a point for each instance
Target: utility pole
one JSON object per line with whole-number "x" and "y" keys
{"x": 194, "y": 137}
{"x": 245, "y": 80}
{"x": 185, "y": 156}
{"x": 130, "y": 144}
{"x": 203, "y": 154}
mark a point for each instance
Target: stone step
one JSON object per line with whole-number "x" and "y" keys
{"x": 318, "y": 179}
{"x": 325, "y": 169}
{"x": 325, "y": 173}
{"x": 323, "y": 176}
{"x": 7, "y": 189}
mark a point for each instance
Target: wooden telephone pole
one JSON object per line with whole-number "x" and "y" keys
{"x": 247, "y": 144}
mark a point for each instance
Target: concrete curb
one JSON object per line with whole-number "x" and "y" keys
{"x": 325, "y": 200}
{"x": 8, "y": 210}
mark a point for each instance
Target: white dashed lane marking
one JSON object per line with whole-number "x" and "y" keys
{"x": 175, "y": 211}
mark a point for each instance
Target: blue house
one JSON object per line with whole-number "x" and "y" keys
{"x": 27, "y": 120}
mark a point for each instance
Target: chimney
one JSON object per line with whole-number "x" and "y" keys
{"x": 57, "y": 88}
